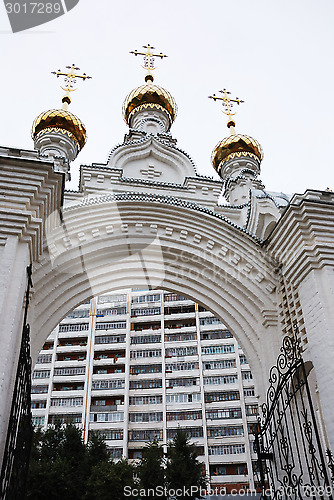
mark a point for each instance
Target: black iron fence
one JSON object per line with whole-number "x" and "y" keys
{"x": 290, "y": 448}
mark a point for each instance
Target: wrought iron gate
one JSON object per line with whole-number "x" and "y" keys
{"x": 291, "y": 461}
{"x": 17, "y": 450}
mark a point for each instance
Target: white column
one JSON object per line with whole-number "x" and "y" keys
{"x": 163, "y": 374}
{"x": 201, "y": 384}
{"x": 244, "y": 417}
{"x": 50, "y": 386}
{"x": 316, "y": 294}
{"x": 127, "y": 377}
{"x": 14, "y": 259}
{"x": 89, "y": 368}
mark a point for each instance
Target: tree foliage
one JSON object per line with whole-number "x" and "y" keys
{"x": 63, "y": 468}
{"x": 183, "y": 469}
{"x": 151, "y": 468}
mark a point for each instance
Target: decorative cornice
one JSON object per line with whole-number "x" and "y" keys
{"x": 303, "y": 238}
{"x": 157, "y": 198}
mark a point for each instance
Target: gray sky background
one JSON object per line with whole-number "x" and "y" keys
{"x": 276, "y": 55}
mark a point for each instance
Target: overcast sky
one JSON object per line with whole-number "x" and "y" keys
{"x": 275, "y": 55}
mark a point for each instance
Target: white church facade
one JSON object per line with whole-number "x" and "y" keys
{"x": 263, "y": 263}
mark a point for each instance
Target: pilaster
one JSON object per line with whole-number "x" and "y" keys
{"x": 303, "y": 243}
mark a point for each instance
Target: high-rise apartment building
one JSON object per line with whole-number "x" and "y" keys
{"x": 137, "y": 365}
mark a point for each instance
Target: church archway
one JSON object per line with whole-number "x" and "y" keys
{"x": 112, "y": 242}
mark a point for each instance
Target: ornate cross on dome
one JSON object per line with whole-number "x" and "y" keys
{"x": 148, "y": 60}
{"x": 227, "y": 105}
{"x": 70, "y": 80}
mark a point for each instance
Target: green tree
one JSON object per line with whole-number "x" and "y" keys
{"x": 60, "y": 463}
{"x": 108, "y": 480}
{"x": 150, "y": 470}
{"x": 183, "y": 469}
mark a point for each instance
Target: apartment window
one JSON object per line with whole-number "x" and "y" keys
{"x": 172, "y": 367}
{"x": 218, "y": 470}
{"x": 227, "y": 449}
{"x": 170, "y": 297}
{"x": 38, "y": 421}
{"x": 246, "y": 375}
{"x": 147, "y": 339}
{"x": 211, "y": 397}
{"x": 184, "y": 415}
{"x": 65, "y": 418}
{"x": 184, "y": 398}
{"x": 108, "y": 384}
{"x": 146, "y": 384}
{"x": 186, "y": 323}
{"x": 249, "y": 392}
{"x": 66, "y": 401}
{"x": 252, "y": 409}
{"x": 113, "y": 311}
{"x": 82, "y": 341}
{"x": 218, "y": 349}
{"x": 154, "y": 353}
{"x": 41, "y": 374}
{"x": 222, "y": 379}
{"x": 110, "y": 325}
{"x": 44, "y": 358}
{"x": 235, "y": 430}
{"x": 75, "y": 327}
{"x": 145, "y": 400}
{"x": 218, "y": 334}
{"x": 181, "y": 382}
{"x": 179, "y": 337}
{"x": 243, "y": 359}
{"x": 140, "y": 327}
{"x": 115, "y": 453}
{"x": 79, "y": 370}
{"x": 180, "y": 309}
{"x": 103, "y": 299}
{"x": 39, "y": 389}
{"x": 114, "y": 416}
{"x": 137, "y": 299}
{"x": 152, "y": 311}
{"x": 38, "y": 403}
{"x": 217, "y": 414}
{"x": 214, "y": 365}
{"x": 192, "y": 432}
{"x": 79, "y": 313}
{"x": 145, "y": 435}
{"x": 108, "y": 434}
{"x": 135, "y": 370}
{"x": 109, "y": 339}
{"x": 209, "y": 320}
{"x": 146, "y": 417}
{"x": 181, "y": 351}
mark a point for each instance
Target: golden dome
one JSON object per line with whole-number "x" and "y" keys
{"x": 59, "y": 119}
{"x": 149, "y": 95}
{"x": 235, "y": 145}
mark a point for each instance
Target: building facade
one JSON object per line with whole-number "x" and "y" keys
{"x": 261, "y": 261}
{"x": 137, "y": 365}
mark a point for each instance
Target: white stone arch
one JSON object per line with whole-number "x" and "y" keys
{"x": 114, "y": 242}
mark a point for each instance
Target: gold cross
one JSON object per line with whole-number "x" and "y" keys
{"x": 70, "y": 80}
{"x": 227, "y": 105}
{"x": 148, "y": 60}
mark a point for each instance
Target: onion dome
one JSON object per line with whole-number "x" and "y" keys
{"x": 149, "y": 96}
{"x": 235, "y": 145}
{"x": 60, "y": 120}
